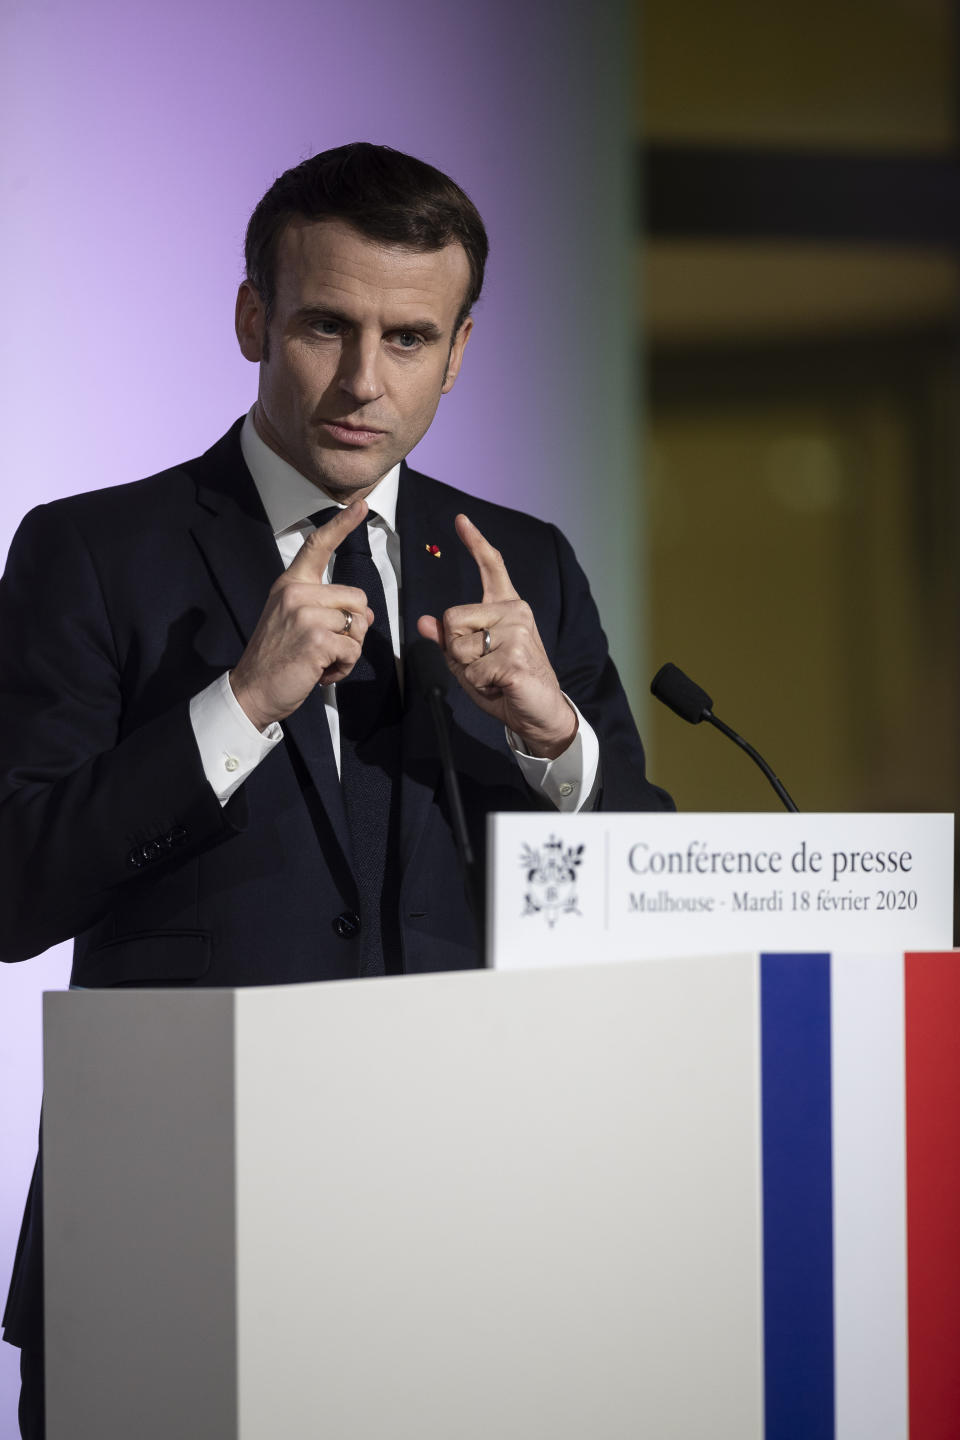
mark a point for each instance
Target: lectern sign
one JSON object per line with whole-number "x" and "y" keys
{"x": 565, "y": 889}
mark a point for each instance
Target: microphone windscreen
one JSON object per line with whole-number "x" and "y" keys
{"x": 681, "y": 694}
{"x": 427, "y": 667}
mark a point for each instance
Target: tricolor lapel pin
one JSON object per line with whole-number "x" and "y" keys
{"x": 434, "y": 550}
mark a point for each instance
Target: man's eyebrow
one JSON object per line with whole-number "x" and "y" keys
{"x": 322, "y": 312}
{"x": 429, "y": 329}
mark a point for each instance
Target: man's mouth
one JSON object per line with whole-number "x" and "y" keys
{"x": 346, "y": 434}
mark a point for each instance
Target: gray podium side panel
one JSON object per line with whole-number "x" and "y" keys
{"x": 140, "y": 1233}
{"x": 522, "y": 1206}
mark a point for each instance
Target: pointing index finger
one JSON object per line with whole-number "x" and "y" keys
{"x": 311, "y": 560}
{"x": 497, "y": 584}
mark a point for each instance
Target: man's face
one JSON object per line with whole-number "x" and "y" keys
{"x": 361, "y": 349}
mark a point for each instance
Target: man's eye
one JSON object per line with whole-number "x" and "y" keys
{"x": 327, "y": 327}
{"x": 407, "y": 339}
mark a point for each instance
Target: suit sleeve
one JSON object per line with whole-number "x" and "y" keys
{"x": 86, "y": 804}
{"x": 588, "y": 675}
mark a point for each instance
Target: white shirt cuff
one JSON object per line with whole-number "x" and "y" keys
{"x": 571, "y": 782}
{"x": 231, "y": 747}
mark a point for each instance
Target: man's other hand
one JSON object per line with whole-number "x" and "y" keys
{"x": 510, "y": 677}
{"x": 303, "y": 637}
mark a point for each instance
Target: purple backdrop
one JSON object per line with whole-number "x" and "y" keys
{"x": 138, "y": 139}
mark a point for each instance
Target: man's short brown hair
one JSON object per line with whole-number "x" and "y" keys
{"x": 382, "y": 193}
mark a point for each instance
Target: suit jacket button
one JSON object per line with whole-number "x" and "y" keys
{"x": 347, "y": 924}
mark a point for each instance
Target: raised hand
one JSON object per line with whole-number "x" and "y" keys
{"x": 303, "y": 637}
{"x": 509, "y": 675}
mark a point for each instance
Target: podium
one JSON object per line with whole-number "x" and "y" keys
{"x": 447, "y": 1207}
{"x": 679, "y": 1198}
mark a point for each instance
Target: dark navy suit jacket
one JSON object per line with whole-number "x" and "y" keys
{"x": 115, "y": 609}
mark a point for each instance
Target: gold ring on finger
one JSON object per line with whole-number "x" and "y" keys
{"x": 347, "y": 621}
{"x": 486, "y": 642}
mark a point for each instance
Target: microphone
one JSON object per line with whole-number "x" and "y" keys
{"x": 686, "y": 699}
{"x": 431, "y": 678}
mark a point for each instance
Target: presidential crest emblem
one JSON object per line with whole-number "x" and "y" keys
{"x": 551, "y": 879}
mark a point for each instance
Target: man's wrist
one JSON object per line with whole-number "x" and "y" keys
{"x": 551, "y": 744}
{"x": 247, "y": 704}
{"x": 230, "y": 745}
{"x": 570, "y": 782}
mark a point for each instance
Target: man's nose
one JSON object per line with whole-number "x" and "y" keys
{"x": 359, "y": 375}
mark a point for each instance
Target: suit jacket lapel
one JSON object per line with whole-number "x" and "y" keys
{"x": 430, "y": 584}
{"x": 235, "y": 538}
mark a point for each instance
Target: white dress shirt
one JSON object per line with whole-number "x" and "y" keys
{"x": 231, "y": 746}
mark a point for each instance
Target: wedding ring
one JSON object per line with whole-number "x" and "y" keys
{"x": 347, "y": 621}
{"x": 486, "y": 642}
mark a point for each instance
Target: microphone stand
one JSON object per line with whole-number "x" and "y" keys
{"x": 432, "y": 677}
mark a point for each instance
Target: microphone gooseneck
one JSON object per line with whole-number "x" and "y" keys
{"x": 686, "y": 699}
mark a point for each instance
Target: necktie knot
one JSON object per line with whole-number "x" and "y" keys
{"x": 356, "y": 543}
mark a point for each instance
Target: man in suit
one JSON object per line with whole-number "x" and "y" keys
{"x": 216, "y": 771}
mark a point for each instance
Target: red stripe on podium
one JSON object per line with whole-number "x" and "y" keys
{"x": 932, "y": 1017}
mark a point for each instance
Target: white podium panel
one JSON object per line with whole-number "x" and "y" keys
{"x": 623, "y": 886}
{"x": 444, "y": 1207}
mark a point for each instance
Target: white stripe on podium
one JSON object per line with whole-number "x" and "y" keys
{"x": 869, "y": 1196}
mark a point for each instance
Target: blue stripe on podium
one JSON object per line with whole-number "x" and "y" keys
{"x": 797, "y": 1197}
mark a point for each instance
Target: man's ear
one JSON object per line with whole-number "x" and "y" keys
{"x": 456, "y": 355}
{"x": 250, "y": 321}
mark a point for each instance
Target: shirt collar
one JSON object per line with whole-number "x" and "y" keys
{"x": 289, "y": 497}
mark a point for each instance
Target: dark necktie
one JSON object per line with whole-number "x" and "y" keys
{"x": 368, "y": 703}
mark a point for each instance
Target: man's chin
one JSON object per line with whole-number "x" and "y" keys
{"x": 346, "y": 477}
